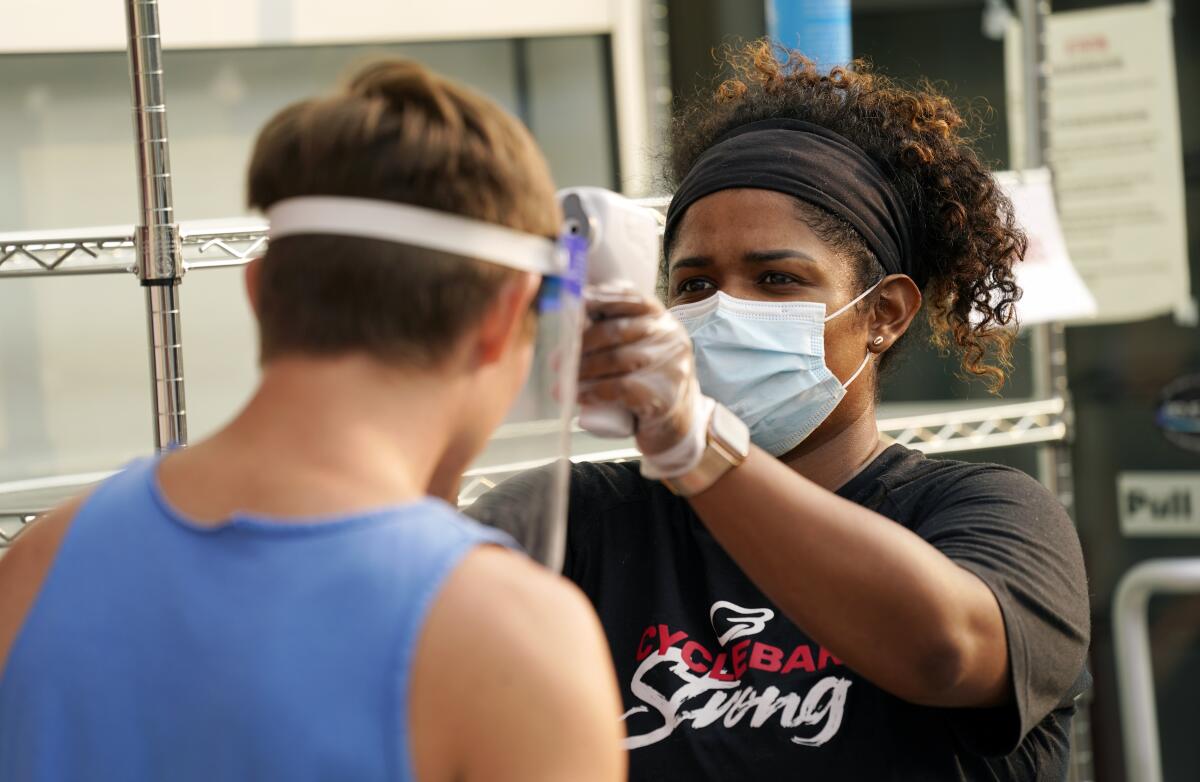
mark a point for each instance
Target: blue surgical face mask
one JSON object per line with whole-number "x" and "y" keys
{"x": 765, "y": 361}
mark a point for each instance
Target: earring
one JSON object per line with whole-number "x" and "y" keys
{"x": 877, "y": 341}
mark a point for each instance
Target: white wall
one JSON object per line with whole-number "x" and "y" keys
{"x": 98, "y": 25}
{"x": 74, "y": 388}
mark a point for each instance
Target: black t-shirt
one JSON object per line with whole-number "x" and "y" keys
{"x": 719, "y": 685}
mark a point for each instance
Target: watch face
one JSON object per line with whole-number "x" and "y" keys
{"x": 727, "y": 447}
{"x": 731, "y": 432}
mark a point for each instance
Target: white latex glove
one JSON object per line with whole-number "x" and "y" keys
{"x": 637, "y": 355}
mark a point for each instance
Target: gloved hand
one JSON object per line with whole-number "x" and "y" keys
{"x": 635, "y": 354}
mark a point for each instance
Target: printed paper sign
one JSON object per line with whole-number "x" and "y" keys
{"x": 1116, "y": 156}
{"x": 1052, "y": 289}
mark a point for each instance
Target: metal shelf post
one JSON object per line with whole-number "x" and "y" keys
{"x": 156, "y": 239}
{"x": 1048, "y": 340}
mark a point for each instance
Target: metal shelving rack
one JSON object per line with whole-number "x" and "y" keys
{"x": 160, "y": 251}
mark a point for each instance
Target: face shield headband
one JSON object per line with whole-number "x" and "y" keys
{"x": 391, "y": 221}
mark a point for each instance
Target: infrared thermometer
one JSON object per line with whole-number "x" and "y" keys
{"x": 623, "y": 240}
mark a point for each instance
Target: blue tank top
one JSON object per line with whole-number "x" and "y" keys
{"x": 162, "y": 650}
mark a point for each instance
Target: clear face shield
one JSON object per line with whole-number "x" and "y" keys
{"x": 521, "y": 481}
{"x": 535, "y": 437}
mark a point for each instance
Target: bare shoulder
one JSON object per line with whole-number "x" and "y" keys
{"x": 514, "y": 664}
{"x": 504, "y": 591}
{"x": 23, "y": 569}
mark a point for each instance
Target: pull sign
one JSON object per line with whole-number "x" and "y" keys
{"x": 1159, "y": 504}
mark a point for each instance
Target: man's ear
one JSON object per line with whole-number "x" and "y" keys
{"x": 897, "y": 304}
{"x": 253, "y": 280}
{"x": 506, "y": 317}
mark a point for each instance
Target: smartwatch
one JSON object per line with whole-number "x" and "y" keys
{"x": 727, "y": 445}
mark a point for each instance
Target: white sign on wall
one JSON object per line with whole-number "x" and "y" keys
{"x": 1159, "y": 504}
{"x": 1116, "y": 155}
{"x": 1052, "y": 290}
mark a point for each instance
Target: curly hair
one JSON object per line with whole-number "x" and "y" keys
{"x": 964, "y": 229}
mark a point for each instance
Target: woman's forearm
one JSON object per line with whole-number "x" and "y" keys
{"x": 891, "y": 606}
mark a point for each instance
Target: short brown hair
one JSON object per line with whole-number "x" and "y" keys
{"x": 396, "y": 132}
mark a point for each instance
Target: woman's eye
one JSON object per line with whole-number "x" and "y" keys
{"x": 693, "y": 285}
{"x": 778, "y": 278}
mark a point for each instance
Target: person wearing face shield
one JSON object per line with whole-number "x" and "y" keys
{"x": 786, "y": 595}
{"x": 285, "y": 599}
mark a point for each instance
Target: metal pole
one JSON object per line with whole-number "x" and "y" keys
{"x": 156, "y": 239}
{"x": 1033, "y": 28}
{"x": 1048, "y": 341}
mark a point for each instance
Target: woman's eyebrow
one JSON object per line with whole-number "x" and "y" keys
{"x": 691, "y": 262}
{"x": 766, "y": 256}
{"x": 753, "y": 256}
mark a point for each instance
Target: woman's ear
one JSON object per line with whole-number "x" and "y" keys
{"x": 253, "y": 278}
{"x": 506, "y": 318}
{"x": 896, "y": 305}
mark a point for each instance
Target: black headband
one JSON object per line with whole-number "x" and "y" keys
{"x": 813, "y": 164}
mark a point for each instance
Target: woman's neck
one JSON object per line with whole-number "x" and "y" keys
{"x": 831, "y": 462}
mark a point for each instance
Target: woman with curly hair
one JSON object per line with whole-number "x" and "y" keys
{"x": 787, "y": 595}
